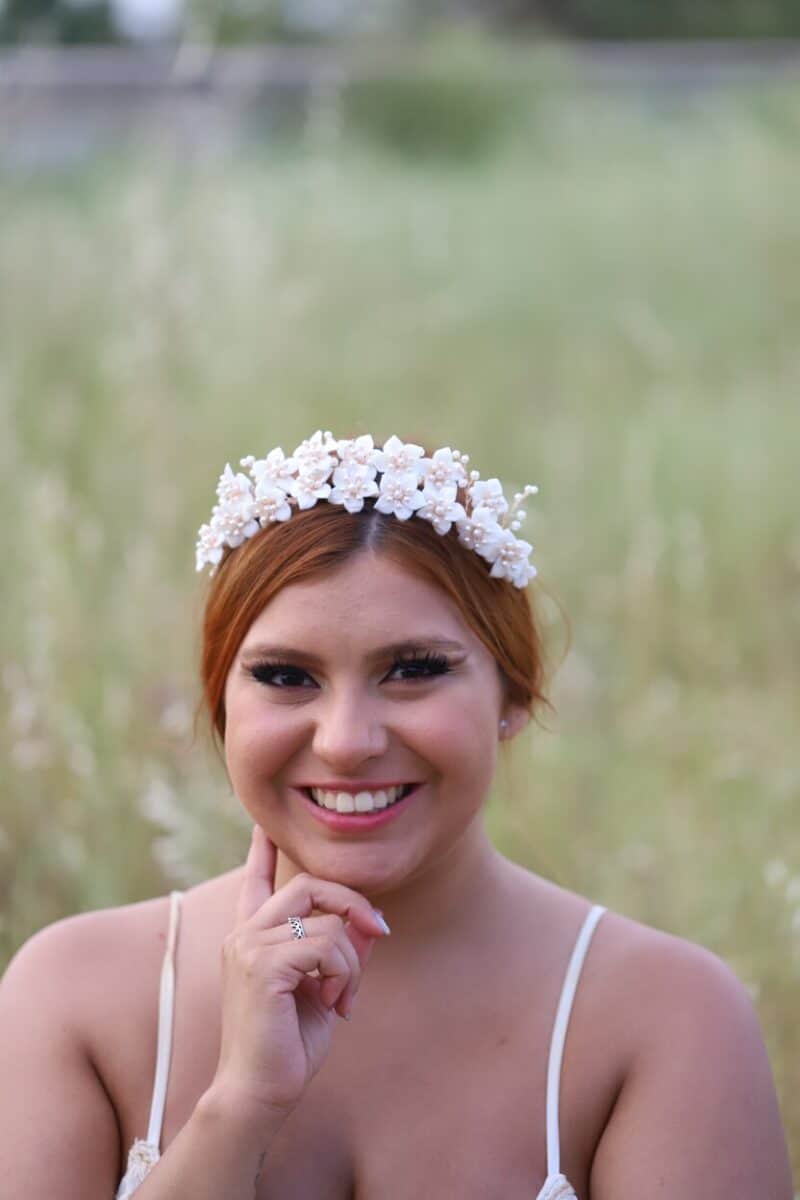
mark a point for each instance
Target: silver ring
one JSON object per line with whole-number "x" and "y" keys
{"x": 297, "y": 927}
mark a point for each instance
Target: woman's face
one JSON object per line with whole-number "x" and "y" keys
{"x": 331, "y": 689}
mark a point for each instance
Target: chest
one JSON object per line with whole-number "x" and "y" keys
{"x": 443, "y": 1103}
{"x": 415, "y": 1132}
{"x": 434, "y": 1091}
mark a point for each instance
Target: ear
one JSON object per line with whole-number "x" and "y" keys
{"x": 514, "y": 718}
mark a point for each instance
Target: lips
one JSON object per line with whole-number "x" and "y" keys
{"x": 364, "y": 800}
{"x": 354, "y": 822}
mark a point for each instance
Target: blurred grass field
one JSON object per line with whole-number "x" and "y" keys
{"x": 599, "y": 297}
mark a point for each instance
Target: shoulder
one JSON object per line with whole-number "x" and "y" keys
{"x": 650, "y": 991}
{"x": 90, "y": 937}
{"x": 657, "y": 967}
{"x": 668, "y": 986}
{"x": 67, "y": 1000}
{"x": 648, "y": 976}
{"x": 695, "y": 1073}
{"x": 644, "y": 992}
{"x": 81, "y": 966}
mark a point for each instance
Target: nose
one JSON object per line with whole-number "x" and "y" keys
{"x": 348, "y": 731}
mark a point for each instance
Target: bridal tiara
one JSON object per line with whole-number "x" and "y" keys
{"x": 397, "y": 478}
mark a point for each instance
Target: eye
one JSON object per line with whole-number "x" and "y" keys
{"x": 284, "y": 675}
{"x": 422, "y": 666}
{"x": 278, "y": 674}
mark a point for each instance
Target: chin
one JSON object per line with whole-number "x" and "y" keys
{"x": 369, "y": 872}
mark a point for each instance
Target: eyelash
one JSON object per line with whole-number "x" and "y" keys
{"x": 434, "y": 664}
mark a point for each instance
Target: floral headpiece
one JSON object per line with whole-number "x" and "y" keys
{"x": 402, "y": 481}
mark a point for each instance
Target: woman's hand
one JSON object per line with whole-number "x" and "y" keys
{"x": 277, "y": 1019}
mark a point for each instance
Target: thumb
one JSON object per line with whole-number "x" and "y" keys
{"x": 258, "y": 882}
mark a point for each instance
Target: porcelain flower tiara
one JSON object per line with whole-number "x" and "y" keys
{"x": 398, "y": 479}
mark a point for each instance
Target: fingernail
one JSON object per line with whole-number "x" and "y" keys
{"x": 380, "y": 920}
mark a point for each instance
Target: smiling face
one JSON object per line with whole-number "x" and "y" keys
{"x": 320, "y": 695}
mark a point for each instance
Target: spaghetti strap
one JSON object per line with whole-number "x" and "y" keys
{"x": 559, "y": 1035}
{"x": 166, "y": 1009}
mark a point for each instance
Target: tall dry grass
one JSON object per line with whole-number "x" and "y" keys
{"x": 608, "y": 303}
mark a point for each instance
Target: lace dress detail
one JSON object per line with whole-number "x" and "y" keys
{"x": 557, "y": 1187}
{"x": 145, "y": 1152}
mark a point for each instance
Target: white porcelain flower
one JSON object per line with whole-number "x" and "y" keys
{"x": 480, "y": 532}
{"x": 271, "y": 504}
{"x": 488, "y": 493}
{"x": 398, "y": 457}
{"x": 444, "y": 469}
{"x": 313, "y": 456}
{"x": 311, "y": 486}
{"x": 236, "y": 521}
{"x": 352, "y": 484}
{"x": 210, "y": 546}
{"x": 511, "y": 560}
{"x": 233, "y": 488}
{"x": 360, "y": 450}
{"x": 399, "y": 495}
{"x": 441, "y": 508}
{"x": 276, "y": 470}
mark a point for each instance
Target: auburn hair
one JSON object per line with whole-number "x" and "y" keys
{"x": 321, "y": 538}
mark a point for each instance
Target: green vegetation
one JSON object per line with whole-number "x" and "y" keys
{"x": 671, "y": 19}
{"x": 241, "y": 21}
{"x": 604, "y": 300}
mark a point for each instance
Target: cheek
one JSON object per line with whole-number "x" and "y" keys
{"x": 255, "y": 740}
{"x": 460, "y": 738}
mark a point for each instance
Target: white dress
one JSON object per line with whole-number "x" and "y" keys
{"x": 145, "y": 1152}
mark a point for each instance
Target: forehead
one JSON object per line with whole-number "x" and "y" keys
{"x": 364, "y": 601}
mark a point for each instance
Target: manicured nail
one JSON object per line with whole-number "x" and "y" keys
{"x": 380, "y": 920}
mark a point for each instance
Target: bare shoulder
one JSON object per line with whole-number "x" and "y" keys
{"x": 657, "y": 995}
{"x": 66, "y": 985}
{"x": 697, "y": 1100}
{"x": 91, "y": 967}
{"x": 658, "y": 977}
{"x": 639, "y": 977}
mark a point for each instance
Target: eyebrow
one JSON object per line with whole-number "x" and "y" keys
{"x": 273, "y": 650}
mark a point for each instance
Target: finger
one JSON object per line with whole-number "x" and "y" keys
{"x": 259, "y": 876}
{"x": 304, "y": 894}
{"x": 362, "y": 943}
{"x": 295, "y": 960}
{"x": 333, "y": 928}
{"x": 362, "y": 947}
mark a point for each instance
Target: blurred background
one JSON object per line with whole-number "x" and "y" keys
{"x": 562, "y": 237}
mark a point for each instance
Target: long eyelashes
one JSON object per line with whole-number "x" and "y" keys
{"x": 430, "y": 664}
{"x": 420, "y": 666}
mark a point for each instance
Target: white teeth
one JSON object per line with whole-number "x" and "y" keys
{"x": 363, "y": 802}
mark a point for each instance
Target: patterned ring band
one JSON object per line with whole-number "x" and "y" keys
{"x": 298, "y": 929}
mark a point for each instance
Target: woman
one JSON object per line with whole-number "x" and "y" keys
{"x": 368, "y": 644}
